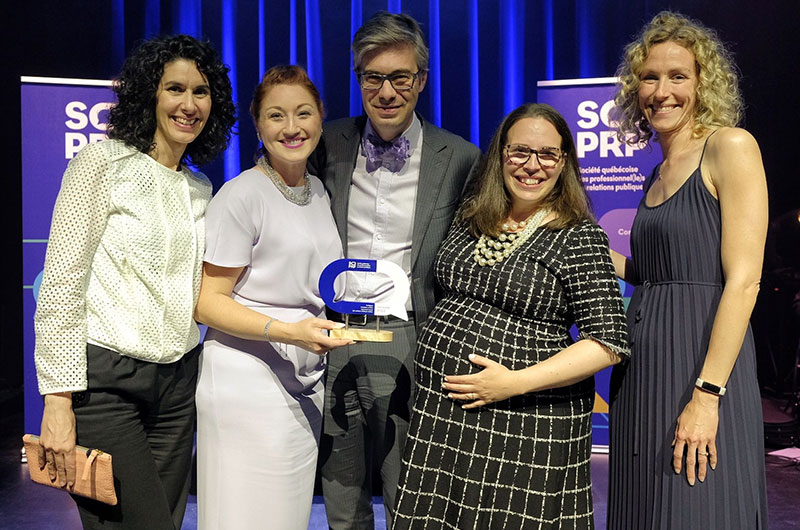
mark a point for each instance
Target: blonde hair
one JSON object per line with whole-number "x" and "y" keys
{"x": 719, "y": 101}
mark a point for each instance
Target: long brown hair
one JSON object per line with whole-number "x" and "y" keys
{"x": 488, "y": 203}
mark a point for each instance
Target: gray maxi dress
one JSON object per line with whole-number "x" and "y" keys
{"x": 676, "y": 253}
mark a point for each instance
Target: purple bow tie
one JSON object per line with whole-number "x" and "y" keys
{"x": 391, "y": 155}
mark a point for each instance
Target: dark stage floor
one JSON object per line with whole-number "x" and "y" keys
{"x": 24, "y": 505}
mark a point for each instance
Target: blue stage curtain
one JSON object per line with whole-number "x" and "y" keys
{"x": 486, "y": 56}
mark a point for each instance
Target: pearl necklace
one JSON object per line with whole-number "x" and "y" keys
{"x": 489, "y": 250}
{"x": 300, "y": 199}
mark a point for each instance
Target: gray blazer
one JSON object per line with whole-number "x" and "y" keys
{"x": 446, "y": 163}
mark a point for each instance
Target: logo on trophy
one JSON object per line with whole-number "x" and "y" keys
{"x": 395, "y": 305}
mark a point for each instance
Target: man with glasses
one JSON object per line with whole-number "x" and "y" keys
{"x": 395, "y": 181}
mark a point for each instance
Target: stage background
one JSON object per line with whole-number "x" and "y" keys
{"x": 486, "y": 59}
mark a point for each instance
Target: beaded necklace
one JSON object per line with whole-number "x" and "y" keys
{"x": 489, "y": 251}
{"x": 300, "y": 199}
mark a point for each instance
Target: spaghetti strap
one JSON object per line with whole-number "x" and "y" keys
{"x": 705, "y": 144}
{"x": 653, "y": 177}
{"x": 657, "y": 169}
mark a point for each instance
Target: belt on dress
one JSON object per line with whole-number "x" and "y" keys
{"x": 637, "y": 317}
{"x": 647, "y": 285}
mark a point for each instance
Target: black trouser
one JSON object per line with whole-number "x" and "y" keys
{"x": 143, "y": 414}
{"x": 368, "y": 398}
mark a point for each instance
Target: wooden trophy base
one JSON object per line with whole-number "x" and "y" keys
{"x": 361, "y": 335}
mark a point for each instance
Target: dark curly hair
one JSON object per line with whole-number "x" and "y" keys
{"x": 133, "y": 118}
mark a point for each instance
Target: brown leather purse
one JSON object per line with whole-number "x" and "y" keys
{"x": 93, "y": 475}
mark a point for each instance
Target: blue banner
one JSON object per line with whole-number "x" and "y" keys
{"x": 59, "y": 117}
{"x": 613, "y": 174}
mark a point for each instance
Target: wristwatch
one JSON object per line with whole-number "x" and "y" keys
{"x": 711, "y": 388}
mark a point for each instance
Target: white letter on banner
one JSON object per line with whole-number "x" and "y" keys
{"x": 74, "y": 110}
{"x": 94, "y": 115}
{"x": 586, "y": 110}
{"x": 609, "y": 143}
{"x": 604, "y": 114}
{"x": 73, "y": 142}
{"x": 587, "y": 141}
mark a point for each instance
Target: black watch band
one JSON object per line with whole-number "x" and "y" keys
{"x": 710, "y": 387}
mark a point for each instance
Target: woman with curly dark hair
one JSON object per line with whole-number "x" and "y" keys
{"x": 687, "y": 446}
{"x": 134, "y": 119}
{"x": 116, "y": 342}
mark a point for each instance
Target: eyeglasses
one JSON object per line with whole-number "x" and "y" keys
{"x": 400, "y": 81}
{"x": 548, "y": 157}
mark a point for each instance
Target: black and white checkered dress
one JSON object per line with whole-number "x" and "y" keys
{"x": 523, "y": 462}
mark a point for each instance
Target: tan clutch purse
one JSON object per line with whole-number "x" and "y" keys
{"x": 93, "y": 476}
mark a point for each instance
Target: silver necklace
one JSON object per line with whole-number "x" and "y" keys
{"x": 300, "y": 199}
{"x": 490, "y": 251}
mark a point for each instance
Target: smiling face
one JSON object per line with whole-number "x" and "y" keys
{"x": 290, "y": 124}
{"x": 529, "y": 184}
{"x": 668, "y": 88}
{"x": 390, "y": 111}
{"x": 183, "y": 106}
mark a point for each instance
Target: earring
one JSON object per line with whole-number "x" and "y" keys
{"x": 258, "y": 135}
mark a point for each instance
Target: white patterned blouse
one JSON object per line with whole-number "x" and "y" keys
{"x": 123, "y": 263}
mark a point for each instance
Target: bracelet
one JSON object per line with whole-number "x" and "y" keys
{"x": 266, "y": 328}
{"x": 711, "y": 388}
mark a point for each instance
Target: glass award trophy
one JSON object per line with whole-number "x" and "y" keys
{"x": 395, "y": 305}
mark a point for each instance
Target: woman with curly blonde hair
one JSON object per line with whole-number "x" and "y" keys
{"x": 686, "y": 429}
